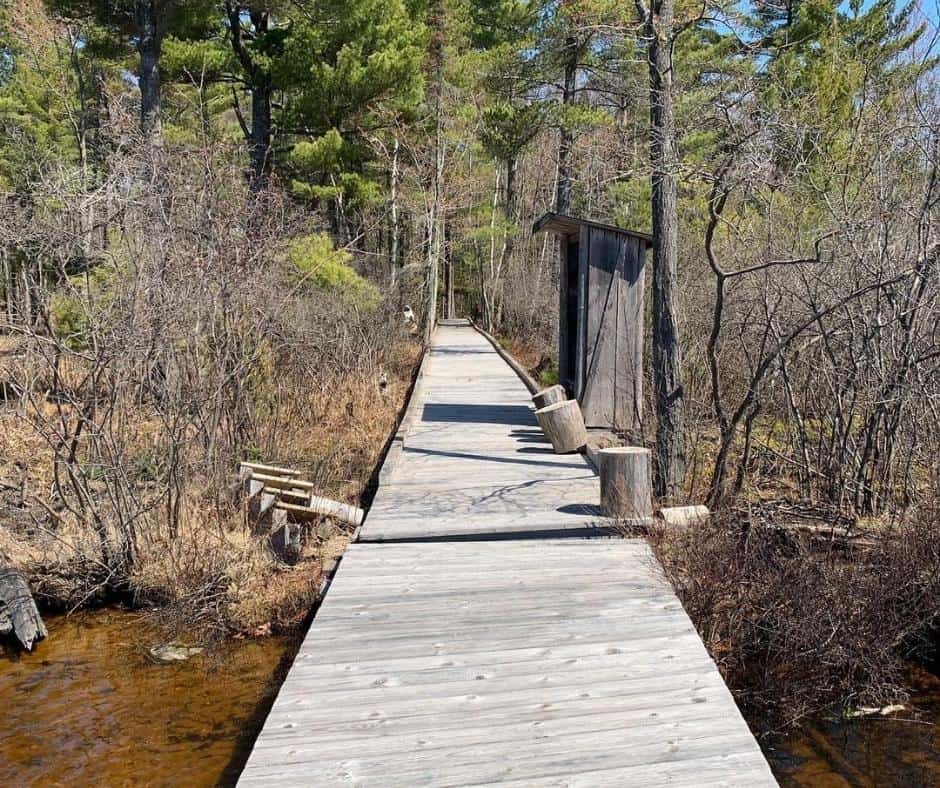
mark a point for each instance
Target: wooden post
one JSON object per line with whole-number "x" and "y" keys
{"x": 284, "y": 538}
{"x": 563, "y": 425}
{"x": 549, "y": 396}
{"x": 625, "y": 482}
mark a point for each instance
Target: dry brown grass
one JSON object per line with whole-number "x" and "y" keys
{"x": 212, "y": 574}
{"x": 337, "y": 431}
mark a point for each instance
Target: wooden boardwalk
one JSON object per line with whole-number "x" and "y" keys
{"x": 473, "y": 635}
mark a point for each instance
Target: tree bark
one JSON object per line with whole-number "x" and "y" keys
{"x": 436, "y": 208}
{"x": 669, "y": 469}
{"x": 260, "y": 143}
{"x": 394, "y": 231}
{"x": 19, "y": 615}
{"x": 258, "y": 82}
{"x": 149, "y": 45}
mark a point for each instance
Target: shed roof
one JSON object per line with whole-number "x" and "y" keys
{"x": 561, "y": 224}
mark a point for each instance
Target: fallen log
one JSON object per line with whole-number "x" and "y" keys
{"x": 683, "y": 515}
{"x": 19, "y": 615}
{"x": 549, "y": 396}
{"x": 830, "y": 534}
{"x": 626, "y": 490}
{"x": 563, "y": 425}
{"x": 320, "y": 506}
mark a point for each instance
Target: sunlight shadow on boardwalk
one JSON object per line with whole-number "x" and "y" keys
{"x": 468, "y": 413}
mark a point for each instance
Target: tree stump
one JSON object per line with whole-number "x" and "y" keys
{"x": 549, "y": 396}
{"x": 563, "y": 425}
{"x": 19, "y": 615}
{"x": 626, "y": 491}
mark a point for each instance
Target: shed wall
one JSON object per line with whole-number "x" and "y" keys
{"x": 612, "y": 329}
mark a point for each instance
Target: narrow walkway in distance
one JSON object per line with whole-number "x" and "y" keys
{"x": 475, "y": 463}
{"x": 472, "y": 636}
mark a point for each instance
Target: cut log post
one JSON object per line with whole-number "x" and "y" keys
{"x": 253, "y": 492}
{"x": 683, "y": 515}
{"x": 563, "y": 425}
{"x": 549, "y": 396}
{"x": 239, "y": 486}
{"x": 626, "y": 491}
{"x": 19, "y": 615}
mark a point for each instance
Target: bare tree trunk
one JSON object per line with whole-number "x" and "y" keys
{"x": 563, "y": 187}
{"x": 260, "y": 144}
{"x": 7, "y": 286}
{"x": 258, "y": 135}
{"x": 394, "y": 230}
{"x": 436, "y": 211}
{"x": 664, "y": 159}
{"x": 451, "y": 310}
{"x": 149, "y": 44}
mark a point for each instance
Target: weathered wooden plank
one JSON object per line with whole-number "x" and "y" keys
{"x": 628, "y": 359}
{"x": 489, "y": 763}
{"x": 650, "y": 723}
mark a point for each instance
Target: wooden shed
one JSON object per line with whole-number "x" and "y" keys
{"x": 600, "y": 322}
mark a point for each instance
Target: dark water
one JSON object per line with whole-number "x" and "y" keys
{"x": 90, "y": 708}
{"x": 902, "y": 751}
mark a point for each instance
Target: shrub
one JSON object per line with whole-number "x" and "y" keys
{"x": 797, "y": 628}
{"x": 317, "y": 261}
{"x": 79, "y": 307}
